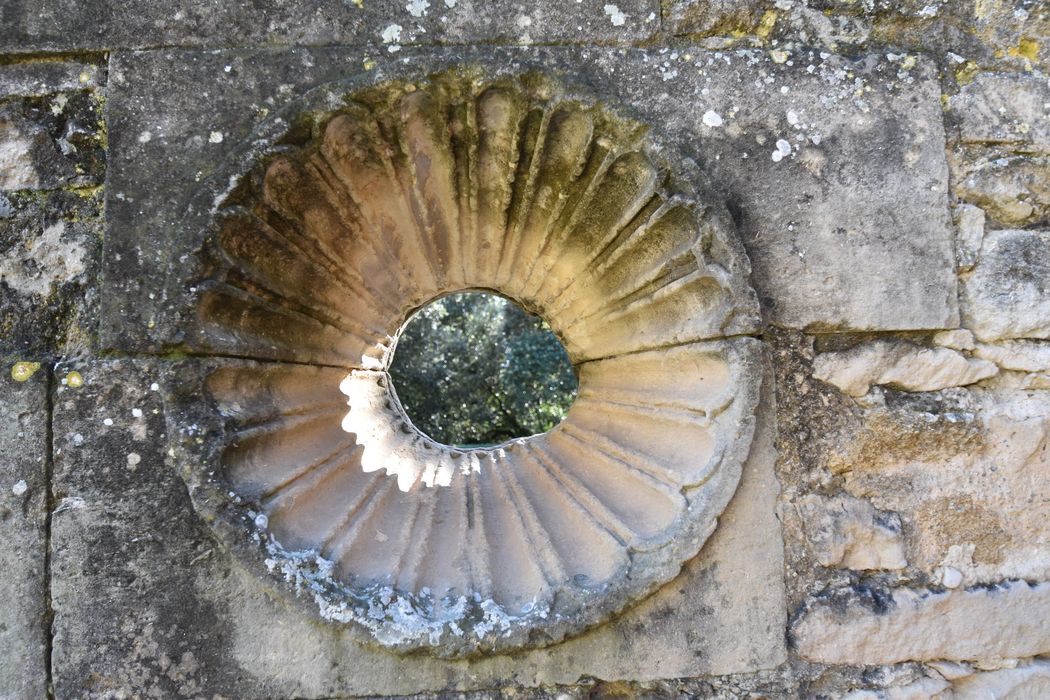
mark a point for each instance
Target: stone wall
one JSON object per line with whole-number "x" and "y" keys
{"x": 887, "y": 167}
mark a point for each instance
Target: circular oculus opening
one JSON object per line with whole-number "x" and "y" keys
{"x": 474, "y": 370}
{"x": 404, "y": 194}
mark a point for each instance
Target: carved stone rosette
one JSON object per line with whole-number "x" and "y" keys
{"x": 405, "y": 192}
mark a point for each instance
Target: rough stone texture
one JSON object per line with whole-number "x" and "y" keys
{"x": 900, "y": 365}
{"x": 1013, "y": 192}
{"x": 828, "y": 170}
{"x": 962, "y": 470}
{"x": 1007, "y": 295}
{"x": 147, "y": 602}
{"x": 922, "y": 689}
{"x": 958, "y": 339}
{"x": 966, "y": 34}
{"x": 46, "y": 77}
{"x": 1027, "y": 680}
{"x": 52, "y": 162}
{"x": 111, "y": 24}
{"x": 138, "y": 593}
{"x": 49, "y": 253}
{"x": 850, "y": 533}
{"x": 803, "y": 247}
{"x": 1004, "y": 621}
{"x": 969, "y": 232}
{"x": 718, "y": 17}
{"x": 131, "y": 566}
{"x": 23, "y": 531}
{"x": 1005, "y": 108}
{"x": 52, "y": 140}
{"x": 1019, "y": 355}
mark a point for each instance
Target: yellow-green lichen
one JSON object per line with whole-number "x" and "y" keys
{"x": 1026, "y": 48}
{"x": 22, "y": 371}
{"x": 765, "y": 25}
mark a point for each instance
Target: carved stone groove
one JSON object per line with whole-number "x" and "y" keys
{"x": 409, "y": 192}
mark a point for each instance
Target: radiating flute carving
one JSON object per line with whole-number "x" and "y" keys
{"x": 410, "y": 192}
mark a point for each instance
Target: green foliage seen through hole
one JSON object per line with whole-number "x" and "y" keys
{"x": 475, "y": 369}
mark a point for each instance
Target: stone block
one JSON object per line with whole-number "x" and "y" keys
{"x": 1013, "y": 192}
{"x": 1005, "y": 296}
{"x": 24, "y": 617}
{"x": 146, "y": 601}
{"x": 1017, "y": 355}
{"x": 829, "y": 165}
{"x": 1025, "y": 680}
{"x": 822, "y": 220}
{"x": 111, "y": 24}
{"x": 864, "y": 627}
{"x": 962, "y": 469}
{"x": 129, "y": 558}
{"x": 969, "y": 232}
{"x": 718, "y": 18}
{"x": 1009, "y": 108}
{"x": 901, "y": 365}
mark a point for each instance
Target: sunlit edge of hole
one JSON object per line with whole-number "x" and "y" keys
{"x": 457, "y": 448}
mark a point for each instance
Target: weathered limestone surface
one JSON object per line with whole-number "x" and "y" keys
{"x": 1013, "y": 192}
{"x": 1019, "y": 355}
{"x": 129, "y": 557}
{"x": 967, "y": 33}
{"x": 960, "y": 469}
{"x": 830, "y": 164}
{"x": 820, "y": 246}
{"x": 23, "y": 516}
{"x": 52, "y": 140}
{"x": 49, "y": 254}
{"x": 52, "y": 161}
{"x": 147, "y": 602}
{"x": 846, "y": 223}
{"x": 964, "y": 470}
{"x": 851, "y": 533}
{"x": 1005, "y": 108}
{"x": 720, "y": 17}
{"x": 112, "y": 24}
{"x": 1012, "y": 680}
{"x": 1027, "y": 680}
{"x": 900, "y": 365}
{"x": 1006, "y": 294}
{"x": 969, "y": 232}
{"x": 43, "y": 77}
{"x": 921, "y": 689}
{"x": 1008, "y": 620}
